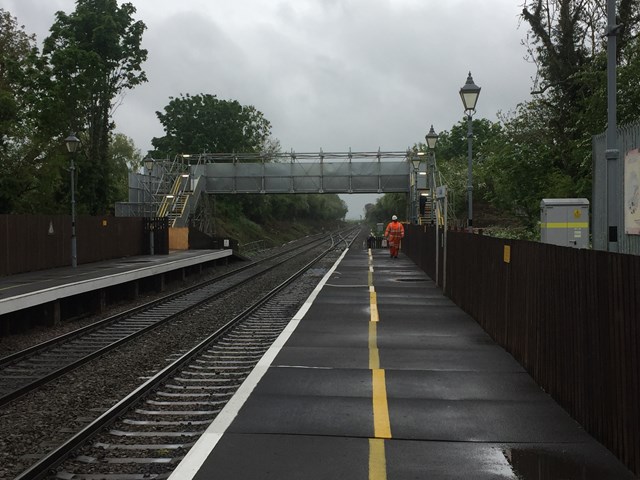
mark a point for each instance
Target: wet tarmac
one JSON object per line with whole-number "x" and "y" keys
{"x": 385, "y": 378}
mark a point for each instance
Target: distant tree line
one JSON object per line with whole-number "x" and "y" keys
{"x": 93, "y": 55}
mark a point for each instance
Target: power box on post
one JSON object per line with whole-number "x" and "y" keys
{"x": 565, "y": 222}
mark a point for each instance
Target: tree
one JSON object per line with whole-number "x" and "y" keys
{"x": 90, "y": 58}
{"x": 386, "y": 206}
{"x": 452, "y": 162}
{"x": 205, "y": 124}
{"x": 125, "y": 157}
{"x": 327, "y": 207}
{"x": 29, "y": 167}
{"x": 566, "y": 43}
{"x": 16, "y": 52}
{"x": 17, "y": 49}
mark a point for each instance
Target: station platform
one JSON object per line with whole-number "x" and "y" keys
{"x": 381, "y": 376}
{"x": 25, "y": 290}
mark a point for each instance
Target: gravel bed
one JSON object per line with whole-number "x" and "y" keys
{"x": 39, "y": 421}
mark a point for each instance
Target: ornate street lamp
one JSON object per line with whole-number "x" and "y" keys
{"x": 148, "y": 165}
{"x": 469, "y": 94}
{"x": 72, "y": 142}
{"x": 432, "y": 140}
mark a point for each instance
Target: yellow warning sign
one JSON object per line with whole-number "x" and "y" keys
{"x": 507, "y": 254}
{"x": 577, "y": 213}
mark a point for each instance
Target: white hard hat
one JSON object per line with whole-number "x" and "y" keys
{"x": 394, "y": 218}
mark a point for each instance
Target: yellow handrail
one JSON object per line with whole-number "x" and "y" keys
{"x": 163, "y": 209}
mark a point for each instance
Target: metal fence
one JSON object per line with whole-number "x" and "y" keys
{"x": 571, "y": 317}
{"x": 628, "y": 140}
{"x": 38, "y": 242}
{"x": 160, "y": 228}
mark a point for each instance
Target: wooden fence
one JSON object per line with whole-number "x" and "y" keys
{"x": 38, "y": 242}
{"x": 571, "y": 317}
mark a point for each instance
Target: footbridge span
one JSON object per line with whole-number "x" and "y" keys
{"x": 173, "y": 187}
{"x": 330, "y": 172}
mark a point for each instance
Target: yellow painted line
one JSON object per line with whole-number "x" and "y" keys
{"x": 374, "y": 356}
{"x": 377, "y": 460}
{"x": 373, "y": 306}
{"x": 381, "y": 423}
{"x": 564, "y": 225}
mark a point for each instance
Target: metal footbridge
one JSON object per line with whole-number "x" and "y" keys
{"x": 173, "y": 187}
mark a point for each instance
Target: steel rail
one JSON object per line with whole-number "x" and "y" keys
{"x": 160, "y": 303}
{"x": 12, "y": 358}
{"x": 49, "y": 462}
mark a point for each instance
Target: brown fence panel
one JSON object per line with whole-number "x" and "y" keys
{"x": 29, "y": 241}
{"x": 39, "y": 242}
{"x": 419, "y": 244}
{"x": 570, "y": 317}
{"x": 103, "y": 238}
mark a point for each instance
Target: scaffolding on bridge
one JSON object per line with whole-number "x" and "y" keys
{"x": 174, "y": 187}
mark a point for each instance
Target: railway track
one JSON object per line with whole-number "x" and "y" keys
{"x": 147, "y": 433}
{"x": 28, "y": 370}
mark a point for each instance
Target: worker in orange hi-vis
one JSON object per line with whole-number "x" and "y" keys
{"x": 394, "y": 234}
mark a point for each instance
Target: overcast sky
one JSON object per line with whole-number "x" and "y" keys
{"x": 328, "y": 74}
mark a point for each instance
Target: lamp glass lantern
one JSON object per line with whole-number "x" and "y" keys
{"x": 469, "y": 94}
{"x": 72, "y": 142}
{"x": 148, "y": 164}
{"x": 431, "y": 138}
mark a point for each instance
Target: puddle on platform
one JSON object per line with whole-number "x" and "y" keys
{"x": 318, "y": 272}
{"x": 531, "y": 464}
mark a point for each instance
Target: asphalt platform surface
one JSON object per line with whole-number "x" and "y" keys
{"x": 381, "y": 376}
{"x": 24, "y": 290}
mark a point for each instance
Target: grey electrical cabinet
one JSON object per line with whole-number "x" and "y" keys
{"x": 565, "y": 222}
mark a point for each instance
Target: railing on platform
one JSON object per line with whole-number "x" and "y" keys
{"x": 569, "y": 316}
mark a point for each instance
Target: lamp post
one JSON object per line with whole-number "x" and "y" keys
{"x": 73, "y": 143}
{"x": 415, "y": 161}
{"x": 612, "y": 152}
{"x": 469, "y": 94}
{"x": 148, "y": 164}
{"x": 432, "y": 139}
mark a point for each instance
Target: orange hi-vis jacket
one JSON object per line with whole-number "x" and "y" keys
{"x": 394, "y": 233}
